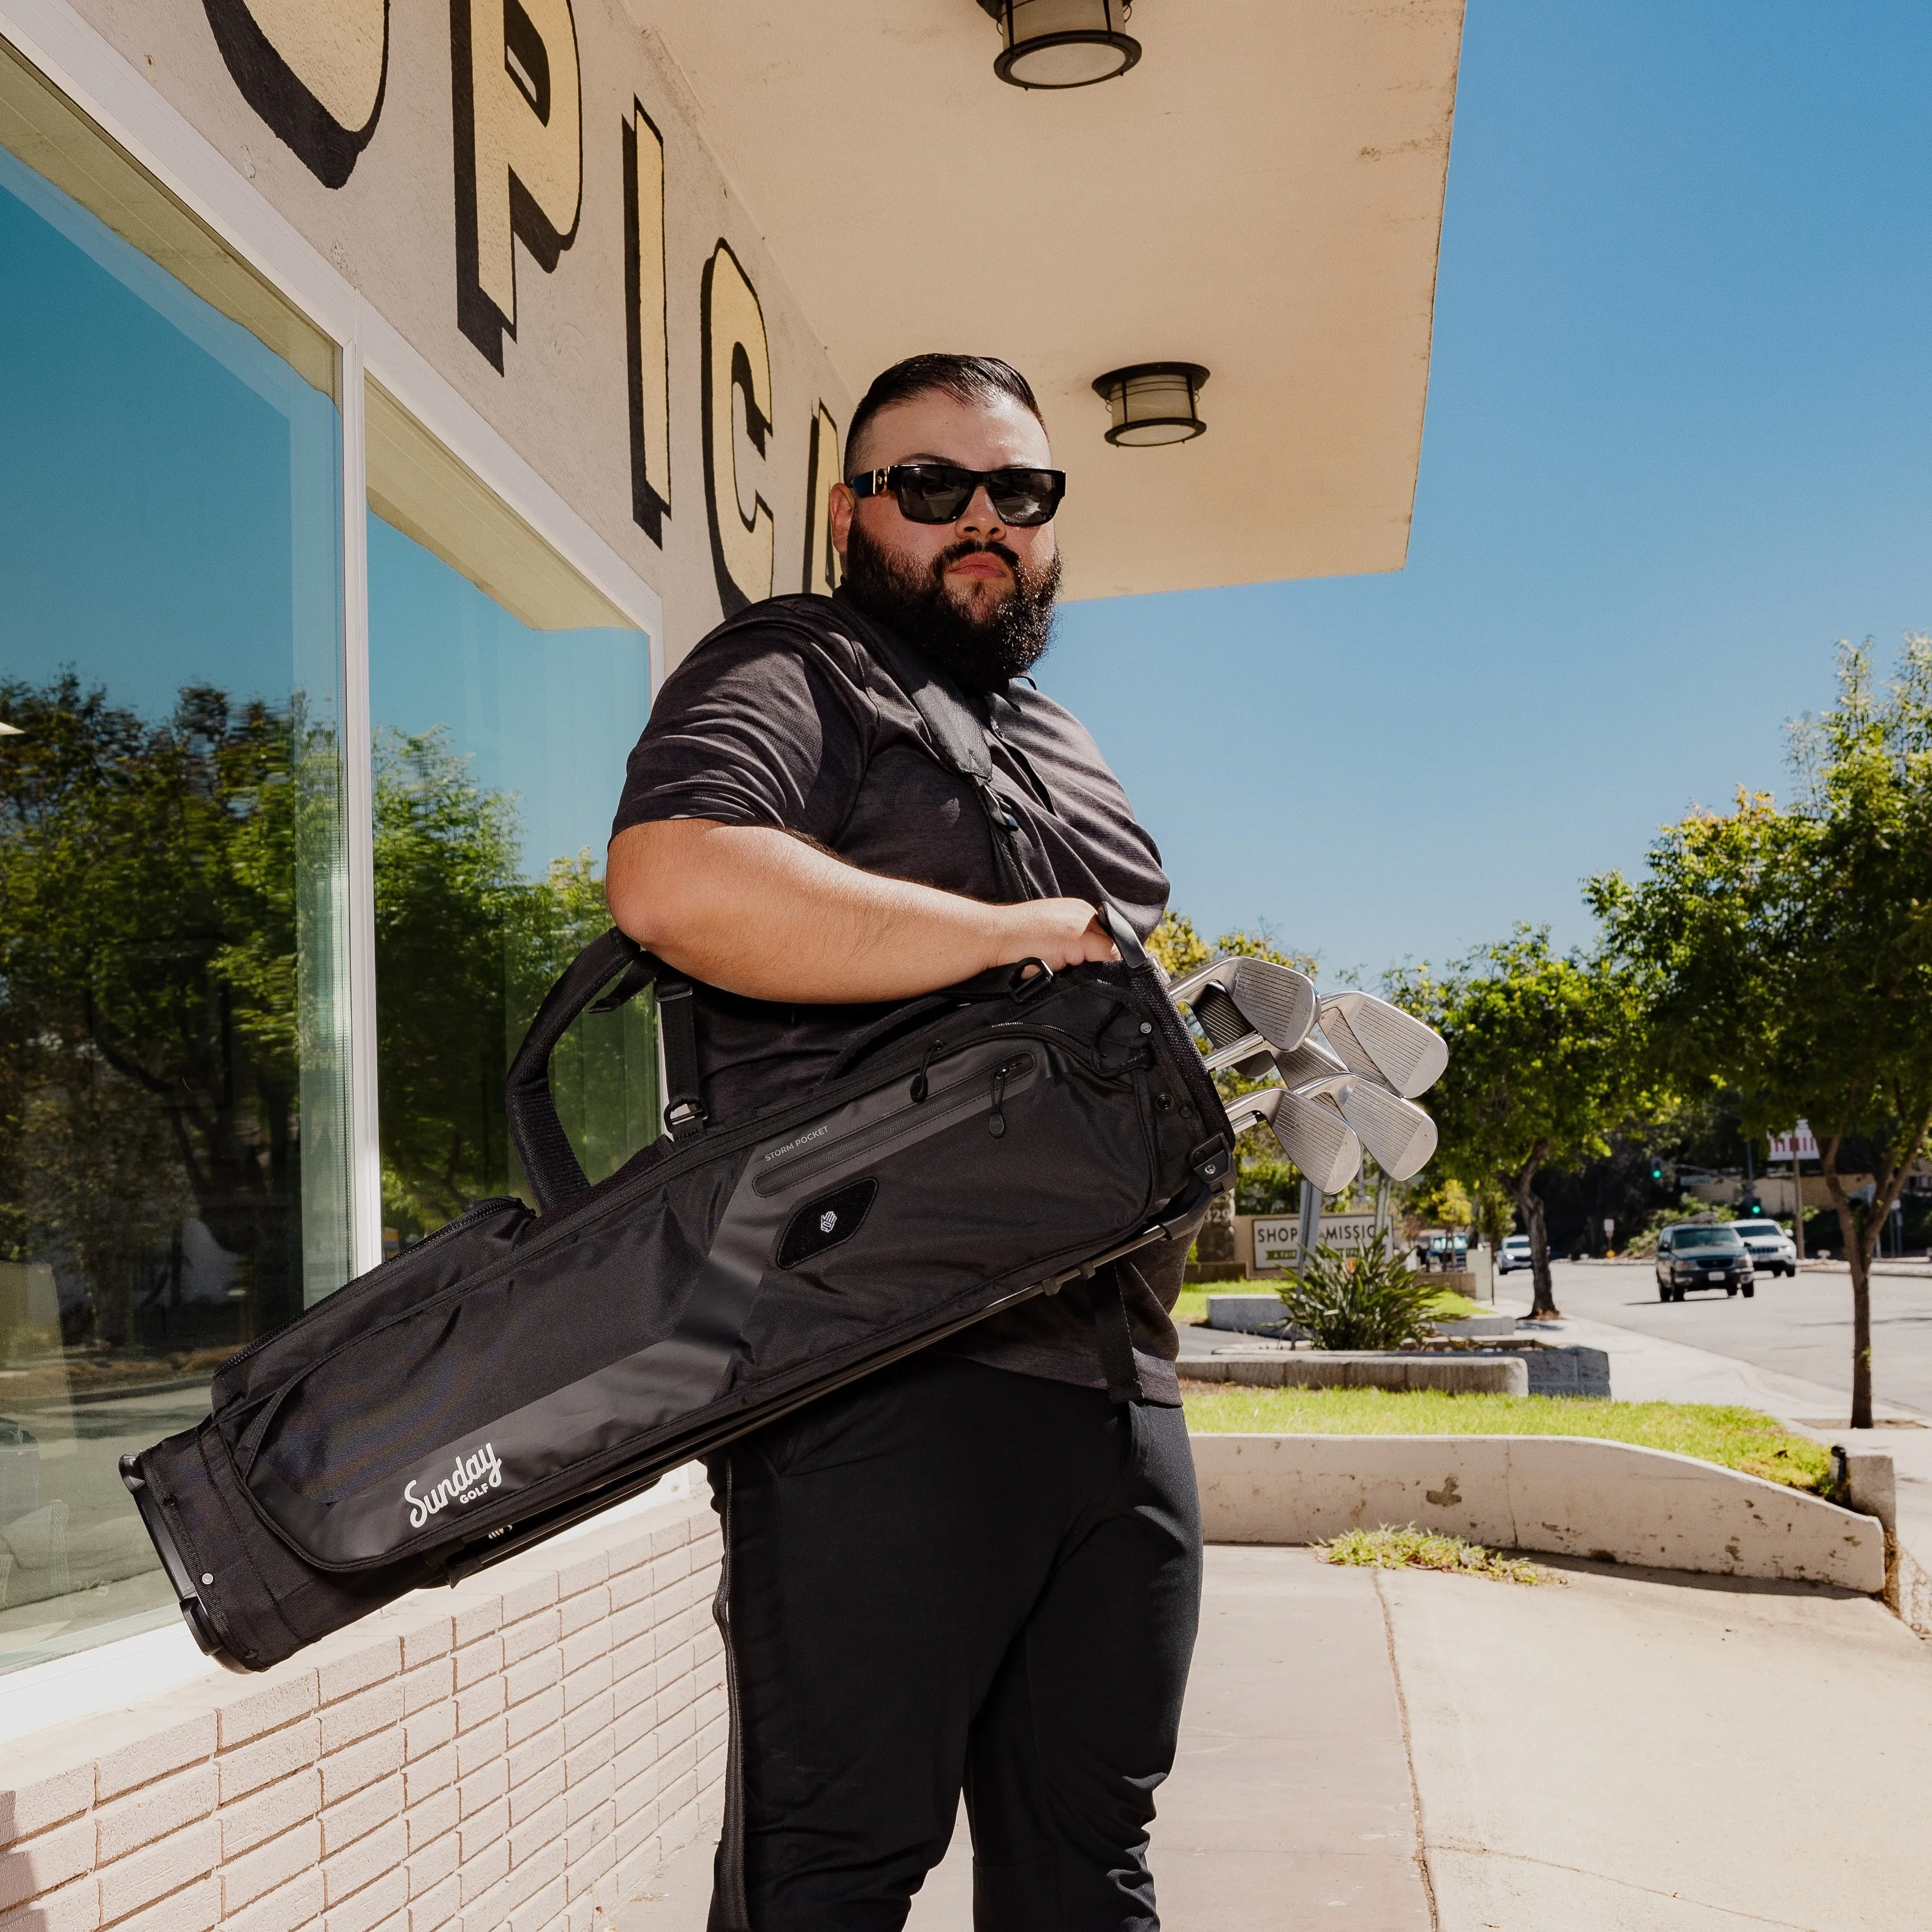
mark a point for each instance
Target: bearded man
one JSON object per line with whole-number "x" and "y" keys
{"x": 973, "y": 1571}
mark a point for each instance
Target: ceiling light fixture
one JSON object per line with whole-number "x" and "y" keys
{"x": 1059, "y": 44}
{"x": 1153, "y": 403}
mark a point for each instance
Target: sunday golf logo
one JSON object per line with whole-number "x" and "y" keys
{"x": 472, "y": 1475}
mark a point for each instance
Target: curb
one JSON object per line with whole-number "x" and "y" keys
{"x": 1564, "y": 1495}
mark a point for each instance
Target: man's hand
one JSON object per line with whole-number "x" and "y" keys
{"x": 756, "y": 911}
{"x": 1058, "y": 932}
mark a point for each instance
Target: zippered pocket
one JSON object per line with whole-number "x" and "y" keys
{"x": 377, "y": 1279}
{"x": 993, "y": 1074}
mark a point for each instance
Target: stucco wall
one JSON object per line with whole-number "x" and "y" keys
{"x": 514, "y": 1753}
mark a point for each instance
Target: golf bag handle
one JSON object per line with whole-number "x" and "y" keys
{"x": 1113, "y": 924}
{"x": 555, "y": 1173}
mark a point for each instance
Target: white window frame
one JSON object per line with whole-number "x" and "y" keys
{"x": 93, "y": 75}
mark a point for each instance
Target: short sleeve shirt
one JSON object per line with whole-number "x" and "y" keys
{"x": 786, "y": 719}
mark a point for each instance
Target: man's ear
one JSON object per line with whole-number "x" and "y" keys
{"x": 840, "y": 504}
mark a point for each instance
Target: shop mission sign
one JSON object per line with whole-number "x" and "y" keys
{"x": 521, "y": 188}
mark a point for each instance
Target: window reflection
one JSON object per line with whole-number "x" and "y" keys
{"x": 173, "y": 1169}
{"x": 506, "y": 695}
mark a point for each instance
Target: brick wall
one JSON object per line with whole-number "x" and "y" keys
{"x": 520, "y": 1752}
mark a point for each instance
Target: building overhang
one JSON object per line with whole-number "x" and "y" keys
{"x": 1261, "y": 195}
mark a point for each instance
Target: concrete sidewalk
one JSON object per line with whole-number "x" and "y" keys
{"x": 1634, "y": 1749}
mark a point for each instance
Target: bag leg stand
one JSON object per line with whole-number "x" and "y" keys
{"x": 730, "y": 1911}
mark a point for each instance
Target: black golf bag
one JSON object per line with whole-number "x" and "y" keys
{"x": 518, "y": 1371}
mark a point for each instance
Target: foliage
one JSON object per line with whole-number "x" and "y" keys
{"x": 1441, "y": 1201}
{"x": 465, "y": 949}
{"x": 1366, "y": 1300}
{"x": 1736, "y": 1438}
{"x": 148, "y": 1047}
{"x": 1544, "y": 1063}
{"x": 1413, "y": 1548}
{"x": 164, "y": 886}
{"x": 1688, "y": 1208}
{"x": 1787, "y": 953}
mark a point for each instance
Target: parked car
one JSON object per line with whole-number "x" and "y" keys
{"x": 1772, "y": 1251}
{"x": 1515, "y": 1254}
{"x": 1703, "y": 1254}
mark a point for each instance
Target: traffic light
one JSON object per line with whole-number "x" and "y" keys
{"x": 1657, "y": 1170}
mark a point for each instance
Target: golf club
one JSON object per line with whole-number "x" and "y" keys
{"x": 1232, "y": 998}
{"x": 1374, "y": 1038}
{"x": 1310, "y": 1061}
{"x": 1399, "y": 1136}
{"x": 1312, "y": 1132}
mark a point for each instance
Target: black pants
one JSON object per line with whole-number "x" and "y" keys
{"x": 952, "y": 1576}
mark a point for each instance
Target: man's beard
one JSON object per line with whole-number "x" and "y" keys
{"x": 980, "y": 654}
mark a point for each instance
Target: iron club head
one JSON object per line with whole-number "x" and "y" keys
{"x": 1400, "y": 1138}
{"x": 1375, "y": 1038}
{"x": 1312, "y": 1132}
{"x": 1275, "y": 1001}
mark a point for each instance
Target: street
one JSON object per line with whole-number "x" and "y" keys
{"x": 1798, "y": 1326}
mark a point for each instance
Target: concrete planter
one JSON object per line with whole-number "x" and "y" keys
{"x": 1565, "y": 1494}
{"x": 1247, "y": 1314}
{"x": 1479, "y": 1324}
{"x": 1322, "y": 1368}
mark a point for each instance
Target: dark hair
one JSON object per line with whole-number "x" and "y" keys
{"x": 967, "y": 379}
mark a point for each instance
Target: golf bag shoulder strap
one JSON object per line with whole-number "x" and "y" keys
{"x": 556, "y": 1175}
{"x": 1113, "y": 1336}
{"x": 958, "y": 732}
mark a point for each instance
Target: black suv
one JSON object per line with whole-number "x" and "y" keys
{"x": 1698, "y": 1254}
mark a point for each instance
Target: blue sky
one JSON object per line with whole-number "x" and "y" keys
{"x": 1679, "y": 415}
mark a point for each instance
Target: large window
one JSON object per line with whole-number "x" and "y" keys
{"x": 506, "y": 693}
{"x": 173, "y": 1067}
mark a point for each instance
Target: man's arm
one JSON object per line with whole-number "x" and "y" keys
{"x": 756, "y": 911}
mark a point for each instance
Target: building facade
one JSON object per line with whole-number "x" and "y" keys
{"x": 393, "y": 394}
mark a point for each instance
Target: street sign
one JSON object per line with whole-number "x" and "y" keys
{"x": 1801, "y": 1144}
{"x": 1278, "y": 1237}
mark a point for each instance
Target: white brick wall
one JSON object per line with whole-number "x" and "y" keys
{"x": 519, "y": 1753}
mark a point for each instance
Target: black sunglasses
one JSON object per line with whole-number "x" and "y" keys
{"x": 938, "y": 492}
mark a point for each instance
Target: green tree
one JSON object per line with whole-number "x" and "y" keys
{"x": 1544, "y": 1060}
{"x": 466, "y": 949}
{"x": 147, "y": 974}
{"x": 1788, "y": 953}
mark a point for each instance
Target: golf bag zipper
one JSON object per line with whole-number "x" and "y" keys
{"x": 477, "y": 1210}
{"x": 967, "y": 1097}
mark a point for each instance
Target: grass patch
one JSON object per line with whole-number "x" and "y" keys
{"x": 1452, "y": 1305}
{"x": 1192, "y": 1307}
{"x": 1735, "y": 1438}
{"x": 1413, "y": 1548}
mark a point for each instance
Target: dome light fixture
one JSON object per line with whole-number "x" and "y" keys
{"x": 1061, "y": 44}
{"x": 1153, "y": 403}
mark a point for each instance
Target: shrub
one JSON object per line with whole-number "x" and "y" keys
{"x": 1366, "y": 1300}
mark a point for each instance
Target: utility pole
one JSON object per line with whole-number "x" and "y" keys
{"x": 1798, "y": 1201}
{"x": 1311, "y": 1220}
